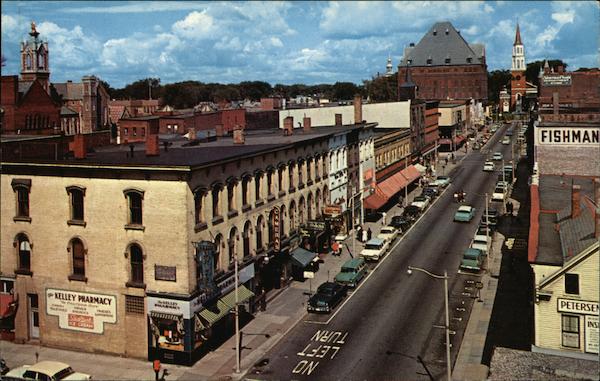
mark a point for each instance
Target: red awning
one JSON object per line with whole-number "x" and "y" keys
{"x": 374, "y": 201}
{"x": 410, "y": 173}
{"x": 459, "y": 139}
{"x": 444, "y": 141}
{"x": 392, "y": 185}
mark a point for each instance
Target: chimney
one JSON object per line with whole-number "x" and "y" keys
{"x": 238, "y": 134}
{"x": 575, "y": 201}
{"x": 191, "y": 134}
{"x": 219, "y": 130}
{"x": 288, "y": 125}
{"x": 338, "y": 119}
{"x": 597, "y": 211}
{"x": 358, "y": 109}
{"x": 79, "y": 148}
{"x": 152, "y": 148}
{"x": 306, "y": 124}
{"x": 555, "y": 103}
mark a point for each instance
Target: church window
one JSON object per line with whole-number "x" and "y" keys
{"x": 28, "y": 61}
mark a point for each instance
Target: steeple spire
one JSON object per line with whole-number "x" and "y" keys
{"x": 518, "y": 36}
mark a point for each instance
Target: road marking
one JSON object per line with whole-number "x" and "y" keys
{"x": 323, "y": 345}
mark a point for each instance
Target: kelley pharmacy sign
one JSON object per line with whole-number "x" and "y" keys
{"x": 81, "y": 311}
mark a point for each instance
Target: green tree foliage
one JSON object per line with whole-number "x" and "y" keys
{"x": 497, "y": 79}
{"x": 344, "y": 90}
{"x": 254, "y": 90}
{"x": 382, "y": 89}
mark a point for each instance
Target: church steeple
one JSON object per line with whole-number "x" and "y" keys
{"x": 518, "y": 53}
{"x": 518, "y": 82}
{"x": 518, "y": 36}
{"x": 389, "y": 68}
{"x": 34, "y": 59}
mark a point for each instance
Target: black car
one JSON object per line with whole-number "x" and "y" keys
{"x": 411, "y": 212}
{"x": 329, "y": 295}
{"x": 430, "y": 192}
{"x": 400, "y": 222}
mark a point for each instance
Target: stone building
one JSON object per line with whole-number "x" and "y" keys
{"x": 444, "y": 66}
{"x": 142, "y": 264}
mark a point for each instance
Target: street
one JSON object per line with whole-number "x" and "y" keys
{"x": 384, "y": 326}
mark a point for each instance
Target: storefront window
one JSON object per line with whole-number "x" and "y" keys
{"x": 570, "y": 331}
{"x": 167, "y": 331}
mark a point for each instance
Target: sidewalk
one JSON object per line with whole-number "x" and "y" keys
{"x": 282, "y": 313}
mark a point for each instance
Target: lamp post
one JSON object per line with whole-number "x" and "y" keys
{"x": 445, "y": 278}
{"x": 237, "y": 320}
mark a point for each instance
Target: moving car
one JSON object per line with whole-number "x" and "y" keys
{"x": 441, "y": 181}
{"x": 465, "y": 213}
{"x": 472, "y": 260}
{"x": 374, "y": 249}
{"x": 352, "y": 272}
{"x": 399, "y": 222}
{"x": 497, "y": 156}
{"x": 506, "y": 140}
{"x": 388, "y": 233}
{"x": 329, "y": 295}
{"x": 420, "y": 202}
{"x": 46, "y": 370}
{"x": 488, "y": 166}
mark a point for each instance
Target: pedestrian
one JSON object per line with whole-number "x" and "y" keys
{"x": 446, "y": 160}
{"x": 335, "y": 248}
{"x": 383, "y": 218}
{"x": 364, "y": 236}
{"x": 369, "y": 233}
{"x": 156, "y": 366}
{"x": 359, "y": 233}
{"x": 452, "y": 156}
{"x": 510, "y": 208}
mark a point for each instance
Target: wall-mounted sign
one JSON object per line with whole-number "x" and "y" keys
{"x": 332, "y": 210}
{"x": 577, "y": 306}
{"x": 169, "y": 306}
{"x": 568, "y": 136}
{"x": 168, "y": 273}
{"x": 591, "y": 334}
{"x": 556, "y": 80}
{"x": 315, "y": 225}
{"x": 81, "y": 311}
{"x": 276, "y": 235}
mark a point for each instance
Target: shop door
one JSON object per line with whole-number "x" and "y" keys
{"x": 34, "y": 316}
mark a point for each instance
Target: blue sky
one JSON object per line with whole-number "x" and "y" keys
{"x": 282, "y": 42}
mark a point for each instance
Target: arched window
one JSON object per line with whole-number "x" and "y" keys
{"x": 271, "y": 227}
{"x": 231, "y": 202}
{"x": 76, "y": 195}
{"x": 135, "y": 202}
{"x": 24, "y": 254}
{"x": 231, "y": 244}
{"x": 136, "y": 261}
{"x": 216, "y": 191}
{"x": 257, "y": 187}
{"x": 309, "y": 206}
{"x": 199, "y": 195}
{"x": 282, "y": 221}
{"x": 259, "y": 233}
{"x": 246, "y": 235}
{"x": 28, "y": 62}
{"x": 77, "y": 259}
{"x": 292, "y": 216}
{"x": 217, "y": 259}
{"x": 22, "y": 188}
{"x": 301, "y": 207}
{"x": 245, "y": 190}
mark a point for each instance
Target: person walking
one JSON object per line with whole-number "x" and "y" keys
{"x": 369, "y": 234}
{"x": 364, "y": 236}
{"x": 359, "y": 233}
{"x": 510, "y": 208}
{"x": 383, "y": 218}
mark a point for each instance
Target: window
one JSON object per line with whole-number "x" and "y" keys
{"x": 291, "y": 176}
{"x": 231, "y": 196}
{"x": 76, "y": 195}
{"x": 270, "y": 182}
{"x": 246, "y": 236}
{"x": 572, "y": 284}
{"x": 245, "y": 197}
{"x": 429, "y": 61}
{"x": 215, "y": 200}
{"x": 447, "y": 60}
{"x": 308, "y": 170}
{"x": 232, "y": 249}
{"x": 199, "y": 206}
{"x": 22, "y": 187}
{"x": 77, "y": 259}
{"x": 257, "y": 181}
{"x": 259, "y": 233}
{"x": 570, "y": 331}
{"x": 126, "y": 131}
{"x": 134, "y": 131}
{"x": 143, "y": 131}
{"x": 24, "y": 254}
{"x": 300, "y": 170}
{"x": 136, "y": 260}
{"x": 135, "y": 200}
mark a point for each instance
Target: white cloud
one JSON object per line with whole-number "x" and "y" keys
{"x": 14, "y": 27}
{"x": 139, "y": 7}
{"x": 196, "y": 25}
{"x": 69, "y": 48}
{"x": 564, "y": 17}
{"x": 275, "y": 41}
{"x": 473, "y": 30}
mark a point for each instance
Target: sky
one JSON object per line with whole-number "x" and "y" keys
{"x": 282, "y": 42}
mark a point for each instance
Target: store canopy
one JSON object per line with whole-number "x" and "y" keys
{"x": 410, "y": 173}
{"x": 215, "y": 313}
{"x": 162, "y": 315}
{"x": 374, "y": 201}
{"x": 302, "y": 257}
{"x": 422, "y": 169}
{"x": 444, "y": 141}
{"x": 243, "y": 295}
{"x": 392, "y": 185}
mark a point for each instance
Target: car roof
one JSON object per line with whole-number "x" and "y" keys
{"x": 375, "y": 241}
{"x": 353, "y": 262}
{"x": 48, "y": 367}
{"x": 389, "y": 227}
{"x": 473, "y": 251}
{"x": 465, "y": 208}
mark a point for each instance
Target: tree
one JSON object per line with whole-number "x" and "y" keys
{"x": 382, "y": 89}
{"x": 497, "y": 79}
{"x": 254, "y": 90}
{"x": 344, "y": 90}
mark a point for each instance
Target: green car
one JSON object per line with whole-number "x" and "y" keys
{"x": 352, "y": 272}
{"x": 465, "y": 213}
{"x": 472, "y": 260}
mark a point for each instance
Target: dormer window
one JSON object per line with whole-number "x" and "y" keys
{"x": 429, "y": 60}
{"x": 409, "y": 61}
{"x": 447, "y": 60}
{"x": 447, "y": 31}
{"x": 435, "y": 32}
{"x": 469, "y": 60}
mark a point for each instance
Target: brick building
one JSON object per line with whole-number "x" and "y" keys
{"x": 228, "y": 118}
{"x": 133, "y": 130}
{"x": 444, "y": 66}
{"x": 89, "y": 99}
{"x": 131, "y": 108}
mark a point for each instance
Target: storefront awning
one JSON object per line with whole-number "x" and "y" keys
{"x": 243, "y": 295}
{"x": 422, "y": 169}
{"x": 302, "y": 257}
{"x": 374, "y": 201}
{"x": 410, "y": 173}
{"x": 163, "y": 315}
{"x": 392, "y": 185}
{"x": 444, "y": 141}
{"x": 215, "y": 313}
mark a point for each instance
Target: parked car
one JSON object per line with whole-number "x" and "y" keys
{"x": 46, "y": 370}
{"x": 401, "y": 223}
{"x": 388, "y": 233}
{"x": 430, "y": 192}
{"x": 328, "y": 295}
{"x": 441, "y": 181}
{"x": 506, "y": 140}
{"x": 482, "y": 240}
{"x": 411, "y": 212}
{"x": 374, "y": 249}
{"x": 472, "y": 260}
{"x": 499, "y": 193}
{"x": 488, "y": 166}
{"x": 465, "y": 213}
{"x": 497, "y": 156}
{"x": 420, "y": 202}
{"x": 352, "y": 272}
{"x": 492, "y": 218}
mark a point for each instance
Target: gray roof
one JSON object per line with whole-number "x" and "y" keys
{"x": 69, "y": 90}
{"x": 576, "y": 234}
{"x": 440, "y": 42}
{"x": 64, "y": 111}
{"x": 24, "y": 86}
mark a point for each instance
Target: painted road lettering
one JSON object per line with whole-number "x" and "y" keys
{"x": 323, "y": 345}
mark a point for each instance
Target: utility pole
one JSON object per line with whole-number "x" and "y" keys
{"x": 237, "y": 319}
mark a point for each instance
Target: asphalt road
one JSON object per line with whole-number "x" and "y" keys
{"x": 393, "y": 318}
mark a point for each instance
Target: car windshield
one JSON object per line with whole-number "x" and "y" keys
{"x": 387, "y": 231}
{"x": 348, "y": 270}
{"x": 419, "y": 198}
{"x": 64, "y": 373}
{"x": 372, "y": 246}
{"x": 499, "y": 190}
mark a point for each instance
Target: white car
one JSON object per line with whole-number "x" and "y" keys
{"x": 481, "y": 240}
{"x": 499, "y": 193}
{"x": 388, "y": 233}
{"x": 421, "y": 202}
{"x": 497, "y": 156}
{"x": 374, "y": 249}
{"x": 46, "y": 370}
{"x": 488, "y": 166}
{"x": 506, "y": 140}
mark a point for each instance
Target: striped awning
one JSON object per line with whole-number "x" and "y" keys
{"x": 410, "y": 173}
{"x": 243, "y": 295}
{"x": 163, "y": 315}
{"x": 375, "y": 201}
{"x": 215, "y": 313}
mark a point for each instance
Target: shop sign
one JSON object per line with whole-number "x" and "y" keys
{"x": 315, "y": 225}
{"x": 556, "y": 80}
{"x": 276, "y": 235}
{"x": 309, "y": 274}
{"x": 168, "y": 273}
{"x": 169, "y": 306}
{"x": 244, "y": 275}
{"x": 591, "y": 334}
{"x": 81, "y": 311}
{"x": 568, "y": 136}
{"x": 577, "y": 306}
{"x": 332, "y": 210}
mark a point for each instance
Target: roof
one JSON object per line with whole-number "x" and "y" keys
{"x": 443, "y": 41}
{"x": 353, "y": 262}
{"x": 69, "y": 90}
{"x": 302, "y": 257}
{"x": 48, "y": 367}
{"x": 24, "y": 86}
{"x": 375, "y": 241}
{"x": 64, "y": 111}
{"x": 518, "y": 36}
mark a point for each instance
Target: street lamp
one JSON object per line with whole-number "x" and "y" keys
{"x": 445, "y": 278}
